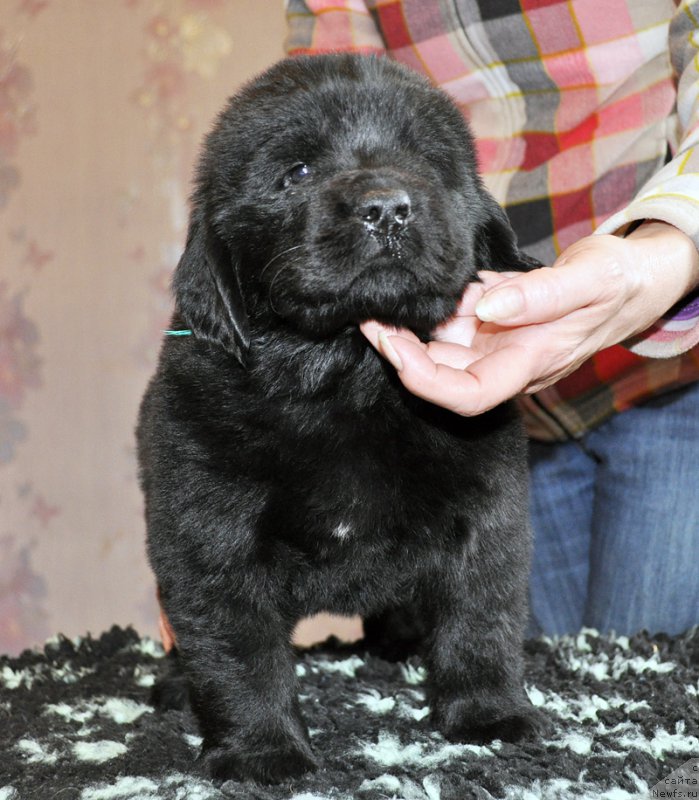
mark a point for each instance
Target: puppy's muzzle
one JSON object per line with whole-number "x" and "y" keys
{"x": 384, "y": 212}
{"x": 378, "y": 200}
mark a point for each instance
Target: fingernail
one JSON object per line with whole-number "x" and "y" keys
{"x": 500, "y": 305}
{"x": 389, "y": 353}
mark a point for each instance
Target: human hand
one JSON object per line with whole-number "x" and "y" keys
{"x": 521, "y": 332}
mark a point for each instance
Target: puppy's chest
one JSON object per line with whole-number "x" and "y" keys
{"x": 358, "y": 479}
{"x": 366, "y": 506}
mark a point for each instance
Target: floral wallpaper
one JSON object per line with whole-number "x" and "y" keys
{"x": 102, "y": 107}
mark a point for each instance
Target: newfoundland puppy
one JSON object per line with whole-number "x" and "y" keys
{"x": 285, "y": 469}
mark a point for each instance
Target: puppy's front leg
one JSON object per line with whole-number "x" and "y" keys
{"x": 474, "y": 654}
{"x": 243, "y": 690}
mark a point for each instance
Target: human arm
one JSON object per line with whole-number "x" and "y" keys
{"x": 672, "y": 194}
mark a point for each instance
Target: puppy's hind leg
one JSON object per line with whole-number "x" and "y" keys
{"x": 243, "y": 692}
{"x": 171, "y": 690}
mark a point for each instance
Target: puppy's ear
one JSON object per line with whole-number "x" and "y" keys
{"x": 496, "y": 243}
{"x": 207, "y": 290}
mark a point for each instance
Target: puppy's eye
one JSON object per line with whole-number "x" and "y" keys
{"x": 296, "y": 174}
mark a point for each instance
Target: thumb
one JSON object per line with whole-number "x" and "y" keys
{"x": 539, "y": 296}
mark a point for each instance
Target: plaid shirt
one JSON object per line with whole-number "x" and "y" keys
{"x": 586, "y": 117}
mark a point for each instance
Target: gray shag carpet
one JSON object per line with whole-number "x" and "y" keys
{"x": 75, "y": 723}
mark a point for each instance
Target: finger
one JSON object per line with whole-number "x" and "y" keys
{"x": 539, "y": 296}
{"x": 500, "y": 375}
{"x": 461, "y": 327}
{"x": 476, "y": 289}
{"x": 489, "y": 278}
{"x": 450, "y": 354}
{"x": 438, "y": 383}
{"x": 372, "y": 330}
{"x": 459, "y": 330}
{"x": 484, "y": 384}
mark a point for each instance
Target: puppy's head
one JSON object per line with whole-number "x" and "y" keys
{"x": 335, "y": 189}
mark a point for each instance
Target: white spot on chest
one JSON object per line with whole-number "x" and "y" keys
{"x": 342, "y": 531}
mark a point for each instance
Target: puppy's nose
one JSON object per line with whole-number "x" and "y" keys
{"x": 384, "y": 211}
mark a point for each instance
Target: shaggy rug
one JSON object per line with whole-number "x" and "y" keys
{"x": 75, "y": 723}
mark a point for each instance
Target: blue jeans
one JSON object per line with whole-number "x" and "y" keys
{"x": 616, "y": 529}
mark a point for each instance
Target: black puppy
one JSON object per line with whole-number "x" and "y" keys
{"x": 285, "y": 469}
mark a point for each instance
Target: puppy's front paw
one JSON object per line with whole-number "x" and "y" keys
{"x": 274, "y": 764}
{"x": 477, "y": 724}
{"x": 510, "y": 728}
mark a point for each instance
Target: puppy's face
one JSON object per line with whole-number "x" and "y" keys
{"x": 337, "y": 189}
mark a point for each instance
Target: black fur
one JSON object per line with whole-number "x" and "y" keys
{"x": 285, "y": 469}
